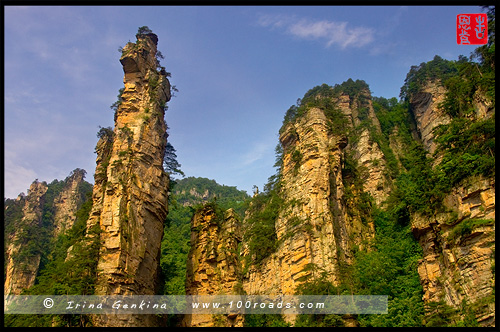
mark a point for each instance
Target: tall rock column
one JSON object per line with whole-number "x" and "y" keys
{"x": 213, "y": 266}
{"x": 22, "y": 256}
{"x": 365, "y": 149}
{"x": 67, "y": 203}
{"x": 130, "y": 195}
{"x": 313, "y": 229}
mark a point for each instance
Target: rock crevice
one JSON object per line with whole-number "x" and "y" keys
{"x": 131, "y": 188}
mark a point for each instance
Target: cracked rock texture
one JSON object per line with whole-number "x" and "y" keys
{"x": 130, "y": 192}
{"x": 213, "y": 266}
{"x": 23, "y": 246}
{"x": 22, "y": 267}
{"x": 458, "y": 245}
{"x": 68, "y": 202}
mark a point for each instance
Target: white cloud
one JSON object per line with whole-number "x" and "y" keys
{"x": 275, "y": 21}
{"x": 330, "y": 32}
{"x": 258, "y": 151}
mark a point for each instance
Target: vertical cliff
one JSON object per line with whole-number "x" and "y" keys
{"x": 69, "y": 201}
{"x": 23, "y": 253}
{"x": 306, "y": 224}
{"x": 459, "y": 250}
{"x": 458, "y": 241}
{"x": 363, "y": 147}
{"x": 348, "y": 161}
{"x": 331, "y": 175}
{"x": 32, "y": 231}
{"x": 213, "y": 266}
{"x": 428, "y": 115}
{"x": 317, "y": 211}
{"x": 130, "y": 194}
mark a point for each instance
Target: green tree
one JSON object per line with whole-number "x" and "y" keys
{"x": 144, "y": 30}
{"x": 119, "y": 100}
{"x": 390, "y": 268}
{"x": 106, "y": 133}
{"x": 170, "y": 163}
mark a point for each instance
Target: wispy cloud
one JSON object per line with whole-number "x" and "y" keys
{"x": 17, "y": 177}
{"x": 256, "y": 153}
{"x": 329, "y": 32}
{"x": 385, "y": 32}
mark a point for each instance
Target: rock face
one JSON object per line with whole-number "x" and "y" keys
{"x": 316, "y": 228}
{"x": 213, "y": 266}
{"x": 427, "y": 114}
{"x": 366, "y": 151}
{"x": 459, "y": 248}
{"x": 23, "y": 263}
{"x": 31, "y": 234}
{"x": 313, "y": 228}
{"x": 458, "y": 245}
{"x": 320, "y": 222}
{"x": 130, "y": 192}
{"x": 68, "y": 202}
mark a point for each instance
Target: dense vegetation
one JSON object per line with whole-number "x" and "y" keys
{"x": 192, "y": 191}
{"x": 438, "y": 69}
{"x": 187, "y": 196}
{"x": 259, "y": 227}
{"x": 390, "y": 268}
{"x": 60, "y": 274}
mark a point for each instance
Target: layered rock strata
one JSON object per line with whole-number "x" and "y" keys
{"x": 459, "y": 250}
{"x": 314, "y": 230}
{"x": 213, "y": 266}
{"x": 427, "y": 113}
{"x": 68, "y": 202}
{"x": 23, "y": 263}
{"x": 366, "y": 150}
{"x": 130, "y": 192}
{"x": 459, "y": 244}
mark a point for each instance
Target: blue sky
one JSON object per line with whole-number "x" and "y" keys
{"x": 238, "y": 69}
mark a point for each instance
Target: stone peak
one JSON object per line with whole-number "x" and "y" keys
{"x": 152, "y": 36}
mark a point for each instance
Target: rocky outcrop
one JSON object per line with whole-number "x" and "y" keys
{"x": 199, "y": 198}
{"x": 22, "y": 255}
{"x": 130, "y": 192}
{"x": 458, "y": 249}
{"x": 366, "y": 151}
{"x": 44, "y": 214}
{"x": 68, "y": 202}
{"x": 427, "y": 114}
{"x": 484, "y": 107}
{"x": 314, "y": 231}
{"x": 370, "y": 157}
{"x": 459, "y": 244}
{"x": 213, "y": 266}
